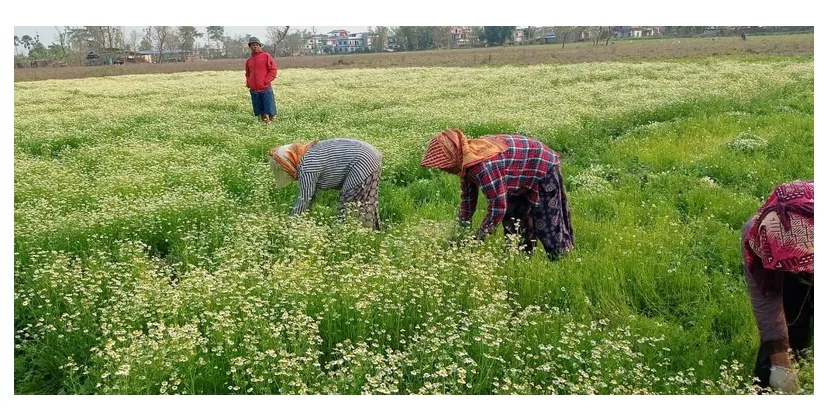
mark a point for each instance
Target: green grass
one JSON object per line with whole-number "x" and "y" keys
{"x": 153, "y": 253}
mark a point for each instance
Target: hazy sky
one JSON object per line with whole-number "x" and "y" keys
{"x": 48, "y": 33}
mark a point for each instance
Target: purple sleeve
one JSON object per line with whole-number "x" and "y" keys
{"x": 768, "y": 310}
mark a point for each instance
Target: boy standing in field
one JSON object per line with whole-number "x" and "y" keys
{"x": 260, "y": 71}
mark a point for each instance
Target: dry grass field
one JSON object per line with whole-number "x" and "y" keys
{"x": 621, "y": 50}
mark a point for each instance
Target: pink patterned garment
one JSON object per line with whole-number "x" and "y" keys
{"x": 782, "y": 235}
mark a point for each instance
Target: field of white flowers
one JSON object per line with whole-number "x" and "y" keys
{"x": 153, "y": 253}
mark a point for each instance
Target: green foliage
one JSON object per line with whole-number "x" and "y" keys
{"x": 153, "y": 253}
{"x": 497, "y": 35}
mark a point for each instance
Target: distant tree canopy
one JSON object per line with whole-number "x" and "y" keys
{"x": 187, "y": 36}
{"x": 215, "y": 33}
{"x": 497, "y": 35}
{"x": 381, "y": 41}
{"x": 413, "y": 38}
{"x": 279, "y": 41}
{"x": 531, "y": 33}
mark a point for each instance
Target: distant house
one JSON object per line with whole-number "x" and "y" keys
{"x": 353, "y": 42}
{"x": 338, "y": 33}
{"x": 341, "y": 42}
{"x": 208, "y": 52}
{"x": 517, "y": 37}
{"x": 393, "y": 44}
{"x": 345, "y": 42}
{"x": 549, "y": 36}
{"x": 370, "y": 40}
{"x": 318, "y": 44}
{"x": 637, "y": 31}
{"x": 622, "y": 31}
{"x": 591, "y": 33}
{"x": 533, "y": 36}
{"x": 305, "y": 46}
{"x": 134, "y": 57}
{"x": 652, "y": 31}
{"x": 712, "y": 31}
{"x": 106, "y": 56}
{"x": 460, "y": 36}
{"x": 177, "y": 55}
{"x": 91, "y": 58}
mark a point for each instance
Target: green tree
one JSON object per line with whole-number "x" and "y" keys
{"x": 39, "y": 51}
{"x": 425, "y": 40}
{"x": 145, "y": 45}
{"x": 26, "y": 40}
{"x": 530, "y": 33}
{"x": 289, "y": 44}
{"x": 187, "y": 35}
{"x": 215, "y": 33}
{"x": 441, "y": 36}
{"x": 62, "y": 45}
{"x": 276, "y": 37}
{"x": 134, "y": 41}
{"x": 477, "y": 38}
{"x": 406, "y": 37}
{"x": 497, "y": 35}
{"x": 79, "y": 38}
{"x": 236, "y": 47}
{"x": 102, "y": 38}
{"x": 159, "y": 37}
{"x": 382, "y": 39}
{"x": 563, "y": 32}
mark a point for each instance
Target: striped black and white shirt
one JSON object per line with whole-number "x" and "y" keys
{"x": 341, "y": 164}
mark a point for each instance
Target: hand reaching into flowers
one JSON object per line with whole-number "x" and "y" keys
{"x": 461, "y": 235}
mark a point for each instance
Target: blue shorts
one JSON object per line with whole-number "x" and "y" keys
{"x": 264, "y": 103}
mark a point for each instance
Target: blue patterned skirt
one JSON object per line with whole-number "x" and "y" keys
{"x": 549, "y": 222}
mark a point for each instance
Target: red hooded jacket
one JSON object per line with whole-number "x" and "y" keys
{"x": 260, "y": 70}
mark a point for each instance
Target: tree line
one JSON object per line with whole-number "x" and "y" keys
{"x": 72, "y": 43}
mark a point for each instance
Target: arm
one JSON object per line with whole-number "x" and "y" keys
{"x": 495, "y": 190}
{"x": 468, "y": 200}
{"x": 271, "y": 70}
{"x": 246, "y": 72}
{"x": 768, "y": 310}
{"x": 770, "y": 316}
{"x": 307, "y": 192}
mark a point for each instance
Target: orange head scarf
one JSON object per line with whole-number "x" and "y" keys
{"x": 289, "y": 156}
{"x": 452, "y": 152}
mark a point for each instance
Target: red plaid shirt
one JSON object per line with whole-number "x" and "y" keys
{"x": 516, "y": 171}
